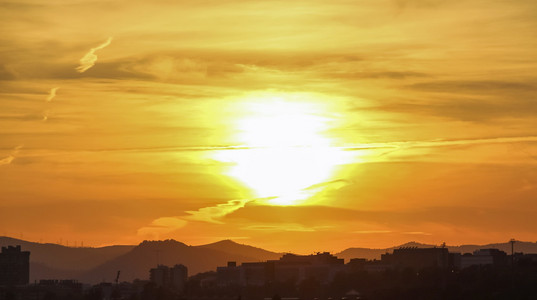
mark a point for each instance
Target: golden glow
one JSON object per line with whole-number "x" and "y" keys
{"x": 190, "y": 110}
{"x": 286, "y": 151}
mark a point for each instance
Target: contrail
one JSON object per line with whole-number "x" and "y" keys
{"x": 90, "y": 58}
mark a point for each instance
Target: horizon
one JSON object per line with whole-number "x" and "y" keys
{"x": 292, "y": 126}
{"x": 333, "y": 252}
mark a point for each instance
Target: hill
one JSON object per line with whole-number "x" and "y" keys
{"x": 137, "y": 262}
{"x": 52, "y": 261}
{"x": 232, "y": 247}
{"x": 347, "y": 254}
{"x": 93, "y": 265}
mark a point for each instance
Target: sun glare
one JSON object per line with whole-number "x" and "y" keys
{"x": 285, "y": 150}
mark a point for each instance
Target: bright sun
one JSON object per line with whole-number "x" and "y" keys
{"x": 285, "y": 153}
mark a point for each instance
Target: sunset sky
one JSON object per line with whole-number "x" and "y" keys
{"x": 289, "y": 125}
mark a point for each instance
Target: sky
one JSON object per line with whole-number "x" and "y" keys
{"x": 294, "y": 126}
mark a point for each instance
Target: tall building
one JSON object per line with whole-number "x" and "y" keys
{"x": 160, "y": 275}
{"x": 14, "y": 266}
{"x": 229, "y": 275}
{"x": 178, "y": 277}
{"x": 174, "y": 277}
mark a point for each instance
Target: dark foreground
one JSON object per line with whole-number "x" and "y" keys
{"x": 477, "y": 282}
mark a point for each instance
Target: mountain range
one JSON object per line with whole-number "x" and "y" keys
{"x": 93, "y": 265}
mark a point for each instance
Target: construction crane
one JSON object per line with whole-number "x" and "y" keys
{"x": 116, "y": 293}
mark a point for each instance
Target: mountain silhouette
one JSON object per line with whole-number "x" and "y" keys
{"x": 94, "y": 265}
{"x": 137, "y": 262}
{"x": 232, "y": 247}
{"x": 53, "y": 261}
{"x": 347, "y": 254}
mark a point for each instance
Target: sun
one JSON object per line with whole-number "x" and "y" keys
{"x": 284, "y": 150}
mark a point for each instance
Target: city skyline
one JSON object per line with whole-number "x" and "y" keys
{"x": 95, "y": 265}
{"x": 288, "y": 126}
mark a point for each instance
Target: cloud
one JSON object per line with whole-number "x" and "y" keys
{"x": 334, "y": 184}
{"x": 409, "y": 222}
{"x": 443, "y": 143}
{"x": 45, "y": 115}
{"x": 90, "y": 58}
{"x": 372, "y": 231}
{"x": 213, "y": 213}
{"x": 162, "y": 226}
{"x": 474, "y": 86}
{"x": 375, "y": 75}
{"x": 52, "y": 93}
{"x": 26, "y": 117}
{"x": 7, "y": 160}
{"x": 417, "y": 233}
{"x": 286, "y": 227}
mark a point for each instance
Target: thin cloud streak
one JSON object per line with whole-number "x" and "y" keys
{"x": 286, "y": 227}
{"x": 211, "y": 214}
{"x": 443, "y": 143}
{"x": 372, "y": 231}
{"x": 52, "y": 94}
{"x": 162, "y": 226}
{"x": 90, "y": 58}
{"x": 9, "y": 159}
{"x": 45, "y": 116}
{"x": 358, "y": 147}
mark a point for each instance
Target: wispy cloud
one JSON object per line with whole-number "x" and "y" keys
{"x": 417, "y": 233}
{"x": 211, "y": 214}
{"x": 45, "y": 116}
{"x": 334, "y": 184}
{"x": 7, "y": 160}
{"x": 286, "y": 227}
{"x": 162, "y": 226}
{"x": 372, "y": 231}
{"x": 52, "y": 93}
{"x": 90, "y": 58}
{"x": 443, "y": 143}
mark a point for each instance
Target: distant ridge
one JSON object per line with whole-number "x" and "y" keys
{"x": 231, "y": 247}
{"x": 53, "y": 261}
{"x": 347, "y": 254}
{"x": 92, "y": 265}
{"x": 137, "y": 262}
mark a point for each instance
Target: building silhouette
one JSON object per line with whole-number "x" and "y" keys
{"x": 174, "y": 277}
{"x": 289, "y": 268}
{"x": 484, "y": 257}
{"x": 14, "y": 266}
{"x": 417, "y": 258}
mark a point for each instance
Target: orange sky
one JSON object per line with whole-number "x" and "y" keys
{"x": 294, "y": 126}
